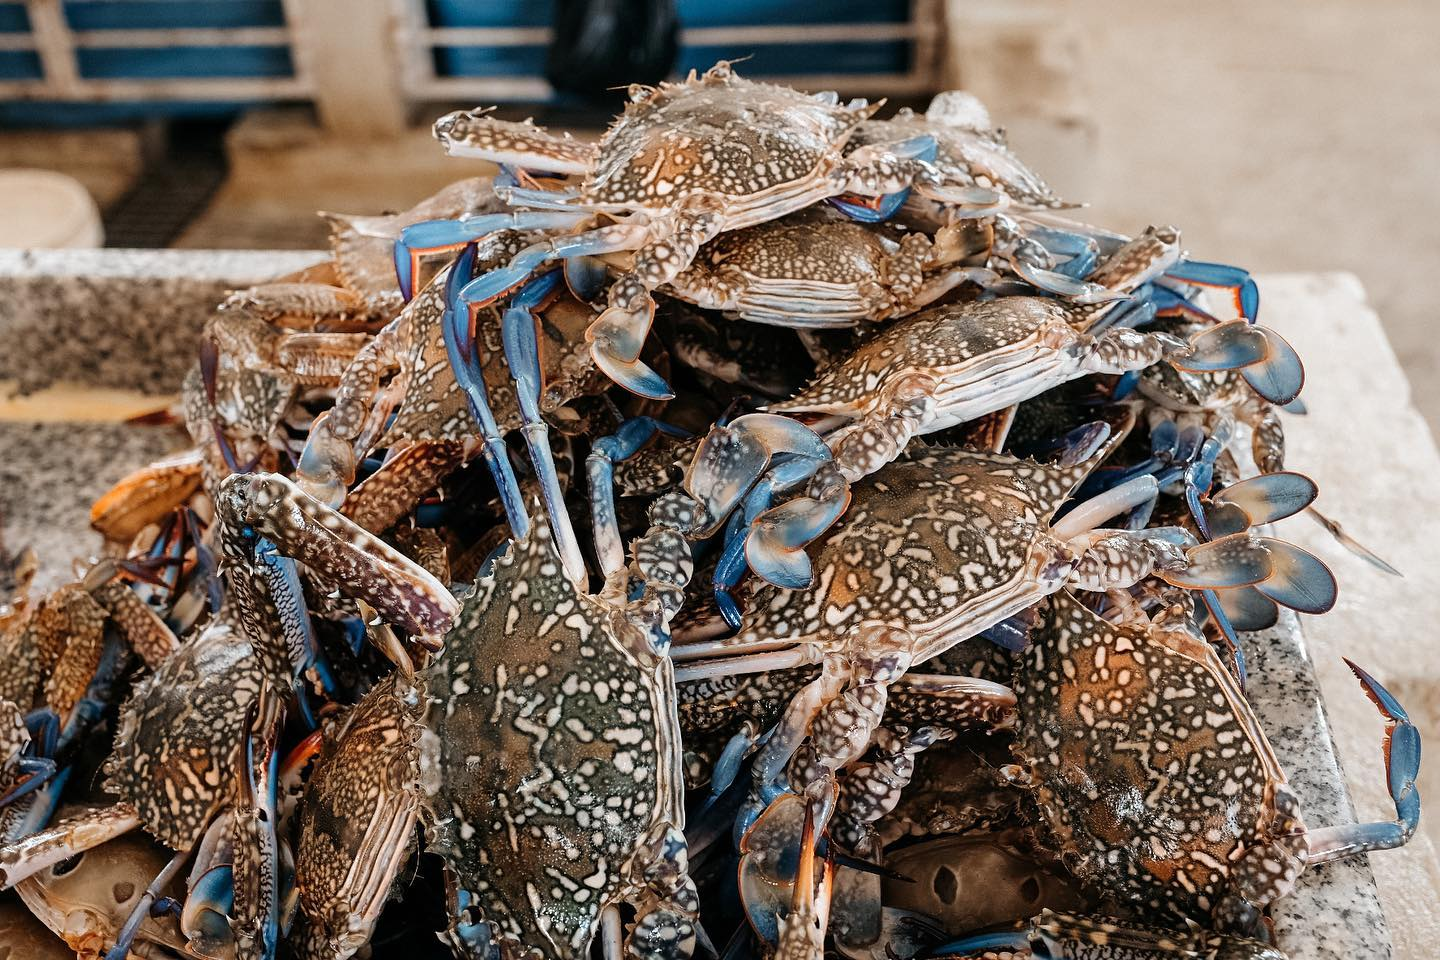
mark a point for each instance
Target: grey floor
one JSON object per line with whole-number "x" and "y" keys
{"x": 1279, "y": 136}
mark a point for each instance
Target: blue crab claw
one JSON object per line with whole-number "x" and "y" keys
{"x": 1402, "y": 767}
{"x": 770, "y": 862}
{"x": 871, "y": 209}
{"x": 205, "y": 917}
{"x": 616, "y": 338}
{"x": 1248, "y": 609}
{"x": 1247, "y": 294}
{"x": 1269, "y": 497}
{"x": 1063, "y": 285}
{"x": 1280, "y": 377}
{"x": 362, "y": 565}
{"x": 1238, "y": 560}
{"x": 1298, "y": 580}
{"x": 778, "y": 853}
{"x": 733, "y": 457}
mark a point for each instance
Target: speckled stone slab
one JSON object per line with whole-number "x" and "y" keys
{"x": 50, "y": 473}
{"x": 129, "y": 319}
{"x": 1335, "y": 910}
{"x": 118, "y": 318}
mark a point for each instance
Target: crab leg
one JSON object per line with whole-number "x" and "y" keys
{"x": 443, "y": 236}
{"x": 121, "y": 948}
{"x": 33, "y": 853}
{"x": 255, "y": 913}
{"x": 1238, "y": 281}
{"x": 600, "y": 469}
{"x": 1402, "y": 767}
{"x": 522, "y": 351}
{"x": 357, "y": 561}
{"x": 460, "y": 345}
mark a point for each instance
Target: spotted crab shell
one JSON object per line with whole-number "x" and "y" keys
{"x": 749, "y": 144}
{"x": 178, "y": 746}
{"x": 955, "y": 340}
{"x": 559, "y": 751}
{"x": 1152, "y": 773}
{"x": 945, "y": 544}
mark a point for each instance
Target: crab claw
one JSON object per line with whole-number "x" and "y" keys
{"x": 775, "y": 549}
{"x": 358, "y": 562}
{"x": 733, "y": 457}
{"x": 1060, "y": 284}
{"x": 1402, "y": 767}
{"x": 777, "y": 862}
{"x": 1247, "y": 294}
{"x": 616, "y": 338}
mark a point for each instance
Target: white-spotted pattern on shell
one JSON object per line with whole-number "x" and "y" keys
{"x": 558, "y": 748}
{"x": 929, "y": 543}
{"x": 1151, "y": 774}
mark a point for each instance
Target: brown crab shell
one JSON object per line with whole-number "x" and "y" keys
{"x": 1151, "y": 774}
{"x": 945, "y": 544}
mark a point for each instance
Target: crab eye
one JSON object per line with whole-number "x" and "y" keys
{"x": 66, "y": 865}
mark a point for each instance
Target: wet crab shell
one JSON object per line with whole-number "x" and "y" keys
{"x": 979, "y": 339}
{"x": 558, "y": 749}
{"x": 756, "y": 149}
{"x": 1151, "y": 774}
{"x": 944, "y": 544}
{"x": 359, "y": 811}
{"x": 966, "y": 153}
{"x": 720, "y": 135}
{"x": 178, "y": 744}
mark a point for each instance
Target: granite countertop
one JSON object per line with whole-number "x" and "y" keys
{"x": 93, "y": 317}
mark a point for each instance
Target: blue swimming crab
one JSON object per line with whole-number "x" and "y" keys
{"x": 956, "y": 363}
{"x": 684, "y": 163}
{"x": 191, "y": 730}
{"x": 1153, "y": 779}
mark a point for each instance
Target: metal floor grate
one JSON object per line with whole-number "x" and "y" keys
{"x": 172, "y": 190}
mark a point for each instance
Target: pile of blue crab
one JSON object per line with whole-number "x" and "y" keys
{"x": 762, "y": 530}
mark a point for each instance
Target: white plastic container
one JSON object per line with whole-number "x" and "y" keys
{"x": 45, "y": 209}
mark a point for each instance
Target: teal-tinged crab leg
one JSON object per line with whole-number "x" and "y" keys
{"x": 121, "y": 949}
{"x": 522, "y": 352}
{"x": 460, "y": 346}
{"x": 1402, "y": 767}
